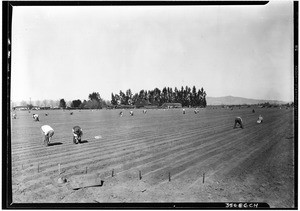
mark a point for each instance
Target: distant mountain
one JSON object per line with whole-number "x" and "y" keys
{"x": 230, "y": 100}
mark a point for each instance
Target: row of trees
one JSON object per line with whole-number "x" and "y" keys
{"x": 39, "y": 103}
{"x": 94, "y": 102}
{"x": 186, "y": 96}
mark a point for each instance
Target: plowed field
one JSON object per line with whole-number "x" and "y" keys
{"x": 180, "y": 158}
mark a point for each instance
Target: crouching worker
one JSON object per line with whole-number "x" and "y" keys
{"x": 48, "y": 133}
{"x": 35, "y": 117}
{"x": 260, "y": 119}
{"x": 77, "y": 133}
{"x": 131, "y": 113}
{"x": 238, "y": 120}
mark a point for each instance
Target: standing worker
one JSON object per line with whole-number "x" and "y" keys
{"x": 183, "y": 111}
{"x": 35, "y": 117}
{"x": 77, "y": 133}
{"x": 131, "y": 113}
{"x": 238, "y": 120}
{"x": 14, "y": 116}
{"x": 48, "y": 133}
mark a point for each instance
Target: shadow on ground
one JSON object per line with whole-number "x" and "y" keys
{"x": 55, "y": 143}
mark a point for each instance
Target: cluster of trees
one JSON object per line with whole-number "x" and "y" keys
{"x": 94, "y": 102}
{"x": 186, "y": 96}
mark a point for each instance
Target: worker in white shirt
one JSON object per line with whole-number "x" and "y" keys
{"x": 260, "y": 119}
{"x": 35, "y": 117}
{"x": 131, "y": 113}
{"x": 48, "y": 133}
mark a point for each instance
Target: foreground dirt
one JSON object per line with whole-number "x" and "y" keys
{"x": 254, "y": 164}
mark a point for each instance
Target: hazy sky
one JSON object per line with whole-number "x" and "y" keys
{"x": 70, "y": 52}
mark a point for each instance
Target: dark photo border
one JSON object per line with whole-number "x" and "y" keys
{"x": 7, "y": 14}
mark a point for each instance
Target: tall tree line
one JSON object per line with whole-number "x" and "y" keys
{"x": 185, "y": 95}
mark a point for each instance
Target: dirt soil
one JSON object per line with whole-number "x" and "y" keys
{"x": 201, "y": 160}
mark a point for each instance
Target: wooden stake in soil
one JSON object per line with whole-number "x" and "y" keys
{"x": 112, "y": 173}
{"x": 169, "y": 177}
{"x": 203, "y": 177}
{"x": 38, "y": 167}
{"x": 140, "y": 175}
{"x": 86, "y": 169}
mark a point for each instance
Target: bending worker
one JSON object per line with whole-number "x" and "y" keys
{"x": 238, "y": 120}
{"x": 260, "y": 119}
{"x": 48, "y": 133}
{"x": 77, "y": 133}
{"x": 35, "y": 117}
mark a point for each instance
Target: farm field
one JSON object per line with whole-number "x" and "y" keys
{"x": 180, "y": 158}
